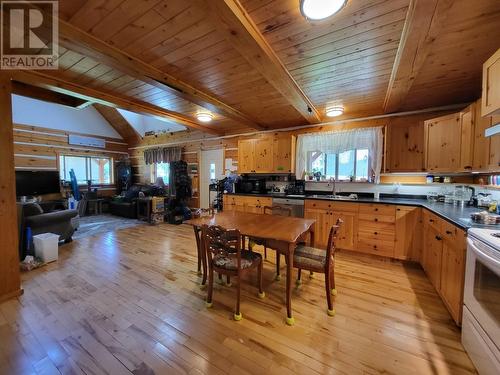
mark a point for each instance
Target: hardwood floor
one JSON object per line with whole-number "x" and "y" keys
{"x": 130, "y": 302}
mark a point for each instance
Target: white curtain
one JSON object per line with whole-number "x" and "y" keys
{"x": 340, "y": 141}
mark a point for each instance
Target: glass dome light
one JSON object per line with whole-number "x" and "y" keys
{"x": 335, "y": 111}
{"x": 320, "y": 9}
{"x": 204, "y": 117}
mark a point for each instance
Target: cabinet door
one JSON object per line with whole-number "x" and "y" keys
{"x": 321, "y": 227}
{"x": 246, "y": 149}
{"x": 408, "y": 233}
{"x": 405, "y": 147}
{"x": 452, "y": 276}
{"x": 346, "y": 238}
{"x": 263, "y": 155}
{"x": 443, "y": 136}
{"x": 284, "y": 153}
{"x": 467, "y": 137}
{"x": 239, "y": 204}
{"x": 491, "y": 85}
{"x": 433, "y": 256}
{"x": 494, "y": 157}
{"x": 481, "y": 143}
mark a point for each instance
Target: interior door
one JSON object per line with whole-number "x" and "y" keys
{"x": 212, "y": 167}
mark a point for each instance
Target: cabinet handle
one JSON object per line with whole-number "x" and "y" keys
{"x": 431, "y": 220}
{"x": 376, "y": 209}
{"x": 438, "y": 238}
{"x": 374, "y": 246}
{"x": 398, "y": 209}
{"x": 375, "y": 232}
{"x": 449, "y": 232}
{"x": 376, "y": 219}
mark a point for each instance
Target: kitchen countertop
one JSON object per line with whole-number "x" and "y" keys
{"x": 457, "y": 215}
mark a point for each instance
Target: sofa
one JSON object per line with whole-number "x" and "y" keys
{"x": 126, "y": 205}
{"x": 33, "y": 216}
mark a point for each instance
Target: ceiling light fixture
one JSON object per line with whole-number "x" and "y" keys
{"x": 335, "y": 111}
{"x": 204, "y": 117}
{"x": 315, "y": 10}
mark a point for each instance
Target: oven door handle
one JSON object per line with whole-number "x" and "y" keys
{"x": 481, "y": 254}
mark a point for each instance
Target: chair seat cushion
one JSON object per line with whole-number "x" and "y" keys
{"x": 309, "y": 257}
{"x": 248, "y": 259}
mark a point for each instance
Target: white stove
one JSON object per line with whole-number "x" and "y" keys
{"x": 481, "y": 313}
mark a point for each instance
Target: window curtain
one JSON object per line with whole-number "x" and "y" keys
{"x": 162, "y": 155}
{"x": 341, "y": 141}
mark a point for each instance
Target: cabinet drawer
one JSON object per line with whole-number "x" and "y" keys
{"x": 377, "y": 209}
{"x": 382, "y": 233}
{"x": 433, "y": 220}
{"x": 258, "y": 202}
{"x": 331, "y": 205}
{"x": 378, "y": 247}
{"x": 451, "y": 232}
{"x": 377, "y": 218}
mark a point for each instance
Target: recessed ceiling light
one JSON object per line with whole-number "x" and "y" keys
{"x": 204, "y": 117}
{"x": 320, "y": 9}
{"x": 335, "y": 111}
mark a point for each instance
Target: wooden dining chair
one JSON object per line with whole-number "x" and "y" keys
{"x": 321, "y": 261}
{"x": 197, "y": 234}
{"x": 226, "y": 257}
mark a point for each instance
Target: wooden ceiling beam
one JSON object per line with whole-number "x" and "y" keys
{"x": 56, "y": 84}
{"x": 38, "y": 93}
{"x": 235, "y": 23}
{"x": 424, "y": 20}
{"x": 86, "y": 44}
{"x": 120, "y": 124}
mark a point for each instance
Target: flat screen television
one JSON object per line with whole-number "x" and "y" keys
{"x": 37, "y": 182}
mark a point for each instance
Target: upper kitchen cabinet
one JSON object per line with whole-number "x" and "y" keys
{"x": 442, "y": 143}
{"x": 284, "y": 153}
{"x": 481, "y": 153}
{"x": 270, "y": 153}
{"x": 494, "y": 154}
{"x": 490, "y": 104}
{"x": 405, "y": 146}
{"x": 467, "y": 137}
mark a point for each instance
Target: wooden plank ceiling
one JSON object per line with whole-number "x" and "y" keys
{"x": 348, "y": 59}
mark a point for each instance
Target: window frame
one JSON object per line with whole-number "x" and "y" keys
{"x": 88, "y": 168}
{"x": 336, "y": 177}
{"x": 154, "y": 171}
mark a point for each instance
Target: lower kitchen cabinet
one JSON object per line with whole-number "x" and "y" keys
{"x": 408, "y": 233}
{"x": 432, "y": 255}
{"x": 452, "y": 277}
{"x": 242, "y": 203}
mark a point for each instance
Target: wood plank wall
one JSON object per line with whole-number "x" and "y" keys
{"x": 38, "y": 148}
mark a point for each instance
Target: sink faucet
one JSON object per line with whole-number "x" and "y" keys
{"x": 334, "y": 192}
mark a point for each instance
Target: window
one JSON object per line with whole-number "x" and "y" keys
{"x": 160, "y": 170}
{"x": 98, "y": 169}
{"x": 342, "y": 166}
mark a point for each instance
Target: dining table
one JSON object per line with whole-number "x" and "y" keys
{"x": 285, "y": 231}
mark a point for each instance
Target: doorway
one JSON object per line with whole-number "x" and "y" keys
{"x": 211, "y": 167}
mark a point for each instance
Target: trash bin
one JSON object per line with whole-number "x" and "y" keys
{"x": 46, "y": 246}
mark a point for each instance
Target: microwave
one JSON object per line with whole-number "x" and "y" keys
{"x": 251, "y": 186}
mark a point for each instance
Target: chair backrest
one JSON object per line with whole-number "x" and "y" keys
{"x": 332, "y": 238}
{"x": 278, "y": 210}
{"x": 220, "y": 241}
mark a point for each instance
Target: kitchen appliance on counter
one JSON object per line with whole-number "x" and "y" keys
{"x": 251, "y": 186}
{"x": 295, "y": 204}
{"x": 481, "y": 313}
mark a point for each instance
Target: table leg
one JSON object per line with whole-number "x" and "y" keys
{"x": 289, "y": 275}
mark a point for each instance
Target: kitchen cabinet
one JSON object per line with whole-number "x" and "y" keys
{"x": 284, "y": 153}
{"x": 246, "y": 156}
{"x": 442, "y": 143}
{"x": 494, "y": 154}
{"x": 326, "y": 214}
{"x": 481, "y": 152}
{"x": 408, "y": 233}
{"x": 467, "y": 137}
{"x": 270, "y": 153}
{"x": 242, "y": 203}
{"x": 490, "y": 104}
{"x": 376, "y": 233}
{"x": 432, "y": 255}
{"x": 405, "y": 146}
{"x": 263, "y": 155}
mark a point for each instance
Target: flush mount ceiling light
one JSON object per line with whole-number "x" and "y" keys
{"x": 204, "y": 117}
{"x": 315, "y": 10}
{"x": 335, "y": 111}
